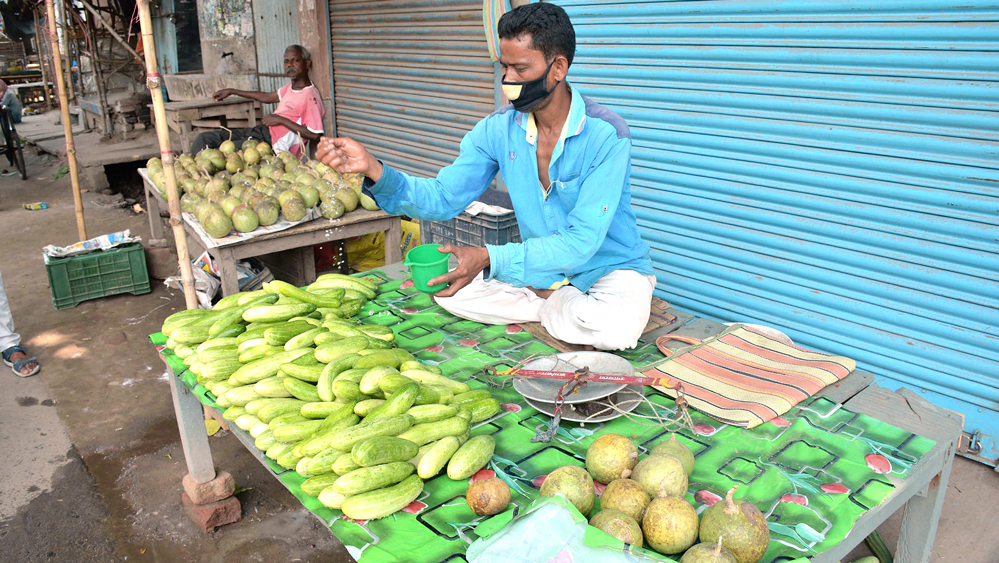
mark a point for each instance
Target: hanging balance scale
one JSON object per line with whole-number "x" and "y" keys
{"x": 582, "y": 387}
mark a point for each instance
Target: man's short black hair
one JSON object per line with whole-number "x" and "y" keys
{"x": 548, "y": 25}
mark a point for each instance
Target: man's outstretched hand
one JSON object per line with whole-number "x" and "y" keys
{"x": 471, "y": 261}
{"x": 345, "y": 155}
{"x": 222, "y": 94}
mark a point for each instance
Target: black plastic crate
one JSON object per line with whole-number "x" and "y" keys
{"x": 472, "y": 230}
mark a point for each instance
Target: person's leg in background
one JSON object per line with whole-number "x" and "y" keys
{"x": 207, "y": 140}
{"x": 13, "y": 354}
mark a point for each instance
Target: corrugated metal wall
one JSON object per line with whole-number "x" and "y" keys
{"x": 827, "y": 168}
{"x": 275, "y": 24}
{"x": 411, "y": 78}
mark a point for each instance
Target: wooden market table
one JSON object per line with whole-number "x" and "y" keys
{"x": 183, "y": 116}
{"x": 919, "y": 495}
{"x": 299, "y": 238}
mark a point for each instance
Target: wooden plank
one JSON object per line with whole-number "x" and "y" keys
{"x": 848, "y": 387}
{"x": 261, "y": 245}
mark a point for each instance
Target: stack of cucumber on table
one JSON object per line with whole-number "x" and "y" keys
{"x": 362, "y": 420}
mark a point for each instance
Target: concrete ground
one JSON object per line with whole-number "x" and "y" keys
{"x": 92, "y": 463}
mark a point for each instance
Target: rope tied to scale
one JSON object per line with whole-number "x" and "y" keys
{"x": 581, "y": 375}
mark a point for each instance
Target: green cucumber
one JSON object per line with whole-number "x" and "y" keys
{"x": 366, "y": 406}
{"x": 388, "y": 426}
{"x": 271, "y": 387}
{"x": 305, "y": 373}
{"x": 431, "y": 431}
{"x": 330, "y": 498}
{"x": 366, "y": 479}
{"x": 319, "y": 481}
{"x": 437, "y": 457}
{"x": 398, "y": 403}
{"x": 301, "y": 390}
{"x": 423, "y": 414}
{"x": 327, "y": 353}
{"x": 383, "y": 502}
{"x": 382, "y": 449}
{"x": 428, "y": 378}
{"x": 472, "y": 456}
{"x": 369, "y": 383}
{"x": 277, "y": 313}
{"x": 483, "y": 409}
{"x": 320, "y": 409}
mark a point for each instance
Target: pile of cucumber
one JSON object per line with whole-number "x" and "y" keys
{"x": 362, "y": 420}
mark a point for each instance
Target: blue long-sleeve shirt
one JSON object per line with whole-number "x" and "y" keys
{"x": 576, "y": 231}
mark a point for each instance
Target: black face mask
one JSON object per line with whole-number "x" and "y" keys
{"x": 526, "y": 94}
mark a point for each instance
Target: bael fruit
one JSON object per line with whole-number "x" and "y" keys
{"x": 610, "y": 457}
{"x": 331, "y": 209}
{"x": 217, "y": 224}
{"x": 488, "y": 496}
{"x": 227, "y": 147}
{"x": 627, "y": 496}
{"x": 244, "y": 219}
{"x": 676, "y": 449}
{"x": 670, "y": 525}
{"x": 310, "y": 196}
{"x": 573, "y": 482}
{"x": 348, "y": 198}
{"x": 741, "y": 525}
{"x": 268, "y": 212}
{"x": 708, "y": 553}
{"x": 661, "y": 475}
{"x": 293, "y": 209}
{"x": 619, "y": 525}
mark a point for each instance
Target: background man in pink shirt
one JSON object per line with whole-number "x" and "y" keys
{"x": 299, "y": 112}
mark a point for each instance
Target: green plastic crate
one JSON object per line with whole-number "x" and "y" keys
{"x": 78, "y": 278}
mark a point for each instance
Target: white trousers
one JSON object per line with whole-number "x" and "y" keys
{"x": 610, "y": 316}
{"x": 8, "y": 337}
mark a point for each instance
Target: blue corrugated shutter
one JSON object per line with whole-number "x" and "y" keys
{"x": 827, "y": 168}
{"x": 275, "y": 24}
{"x": 410, "y": 78}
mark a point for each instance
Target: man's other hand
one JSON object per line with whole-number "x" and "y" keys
{"x": 222, "y": 94}
{"x": 471, "y": 261}
{"x": 345, "y": 155}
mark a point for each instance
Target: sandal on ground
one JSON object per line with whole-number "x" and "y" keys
{"x": 17, "y": 365}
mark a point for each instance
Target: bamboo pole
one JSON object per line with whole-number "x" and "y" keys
{"x": 69, "y": 57}
{"x": 153, "y": 82}
{"x": 41, "y": 61}
{"x": 67, "y": 125}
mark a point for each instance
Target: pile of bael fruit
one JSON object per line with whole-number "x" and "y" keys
{"x": 644, "y": 503}
{"x": 228, "y": 189}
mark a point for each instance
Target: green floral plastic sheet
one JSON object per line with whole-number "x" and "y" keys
{"x": 813, "y": 472}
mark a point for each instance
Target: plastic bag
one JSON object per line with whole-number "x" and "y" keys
{"x": 551, "y": 530}
{"x": 368, "y": 252}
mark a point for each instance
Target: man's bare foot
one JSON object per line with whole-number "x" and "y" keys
{"x": 542, "y": 293}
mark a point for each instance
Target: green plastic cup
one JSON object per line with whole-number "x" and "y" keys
{"x": 426, "y": 263}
